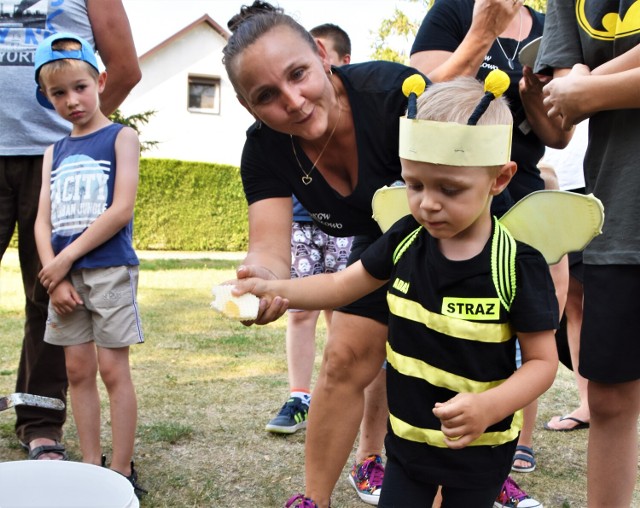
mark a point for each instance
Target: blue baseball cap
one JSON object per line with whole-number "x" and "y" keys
{"x": 45, "y": 54}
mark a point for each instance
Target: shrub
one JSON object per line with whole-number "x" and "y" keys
{"x": 190, "y": 206}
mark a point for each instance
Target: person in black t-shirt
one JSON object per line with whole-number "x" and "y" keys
{"x": 329, "y": 136}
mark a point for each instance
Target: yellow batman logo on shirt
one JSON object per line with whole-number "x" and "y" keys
{"x": 594, "y": 19}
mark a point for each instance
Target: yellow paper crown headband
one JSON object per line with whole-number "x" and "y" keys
{"x": 452, "y": 143}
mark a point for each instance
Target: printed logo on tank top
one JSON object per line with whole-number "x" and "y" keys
{"x": 79, "y": 192}
{"x": 477, "y": 309}
{"x": 597, "y": 19}
{"x": 23, "y": 25}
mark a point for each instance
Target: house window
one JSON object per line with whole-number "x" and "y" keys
{"x": 204, "y": 94}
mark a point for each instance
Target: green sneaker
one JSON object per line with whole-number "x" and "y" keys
{"x": 291, "y": 418}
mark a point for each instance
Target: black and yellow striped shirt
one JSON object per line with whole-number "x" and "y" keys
{"x": 450, "y": 332}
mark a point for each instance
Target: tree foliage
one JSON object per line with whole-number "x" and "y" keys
{"x": 398, "y": 30}
{"x": 395, "y": 34}
{"x": 135, "y": 121}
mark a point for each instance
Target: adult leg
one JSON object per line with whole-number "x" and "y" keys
{"x": 529, "y": 413}
{"x": 123, "y": 406}
{"x": 41, "y": 370}
{"x": 612, "y": 453}
{"x": 367, "y": 472}
{"x": 373, "y": 427}
{"x": 82, "y": 367}
{"x": 609, "y": 351}
{"x": 574, "y": 327}
{"x": 301, "y": 347}
{"x": 573, "y": 312}
{"x": 352, "y": 358}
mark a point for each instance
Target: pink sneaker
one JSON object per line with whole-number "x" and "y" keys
{"x": 299, "y": 501}
{"x": 512, "y": 496}
{"x": 366, "y": 477}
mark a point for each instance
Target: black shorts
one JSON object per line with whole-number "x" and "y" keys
{"x": 401, "y": 490}
{"x": 610, "y": 342}
{"x": 374, "y": 305}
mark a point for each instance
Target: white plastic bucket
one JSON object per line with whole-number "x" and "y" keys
{"x": 63, "y": 484}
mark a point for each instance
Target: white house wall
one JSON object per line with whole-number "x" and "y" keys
{"x": 182, "y": 134}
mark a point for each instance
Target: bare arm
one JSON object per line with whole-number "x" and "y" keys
{"x": 42, "y": 228}
{"x": 581, "y": 92}
{"x": 548, "y": 130}
{"x": 269, "y": 255}
{"x": 468, "y": 415}
{"x": 490, "y": 19}
{"x": 64, "y": 298}
{"x": 114, "y": 42}
{"x": 323, "y": 291}
{"x": 112, "y": 220}
{"x": 625, "y": 62}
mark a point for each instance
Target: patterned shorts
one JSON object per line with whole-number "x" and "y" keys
{"x": 313, "y": 251}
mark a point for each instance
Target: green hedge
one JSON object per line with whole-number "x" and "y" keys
{"x": 190, "y": 206}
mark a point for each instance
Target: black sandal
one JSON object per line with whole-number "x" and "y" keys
{"x": 38, "y": 451}
{"x": 133, "y": 479}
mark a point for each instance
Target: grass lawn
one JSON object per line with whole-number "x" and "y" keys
{"x": 207, "y": 386}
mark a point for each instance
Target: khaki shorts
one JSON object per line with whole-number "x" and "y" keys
{"x": 109, "y": 316}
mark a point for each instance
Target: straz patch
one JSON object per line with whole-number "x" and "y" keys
{"x": 477, "y": 309}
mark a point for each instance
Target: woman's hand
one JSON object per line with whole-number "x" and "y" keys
{"x": 251, "y": 279}
{"x": 492, "y": 17}
{"x": 565, "y": 96}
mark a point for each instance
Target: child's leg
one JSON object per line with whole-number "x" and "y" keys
{"x": 400, "y": 490}
{"x": 82, "y": 368}
{"x": 116, "y": 375}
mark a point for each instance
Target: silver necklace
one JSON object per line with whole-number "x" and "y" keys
{"x": 515, "y": 53}
{"x": 306, "y": 179}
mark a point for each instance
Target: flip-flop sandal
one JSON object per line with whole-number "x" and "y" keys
{"x": 580, "y": 424}
{"x": 58, "y": 448}
{"x": 526, "y": 456}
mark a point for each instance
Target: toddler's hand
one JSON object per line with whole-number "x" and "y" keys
{"x": 463, "y": 419}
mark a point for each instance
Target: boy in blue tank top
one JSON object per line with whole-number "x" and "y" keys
{"x": 84, "y": 237}
{"x": 460, "y": 290}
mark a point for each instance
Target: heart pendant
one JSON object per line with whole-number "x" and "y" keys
{"x": 306, "y": 179}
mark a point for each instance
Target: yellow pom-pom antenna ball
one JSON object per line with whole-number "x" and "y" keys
{"x": 414, "y": 84}
{"x": 496, "y": 82}
{"x": 412, "y": 88}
